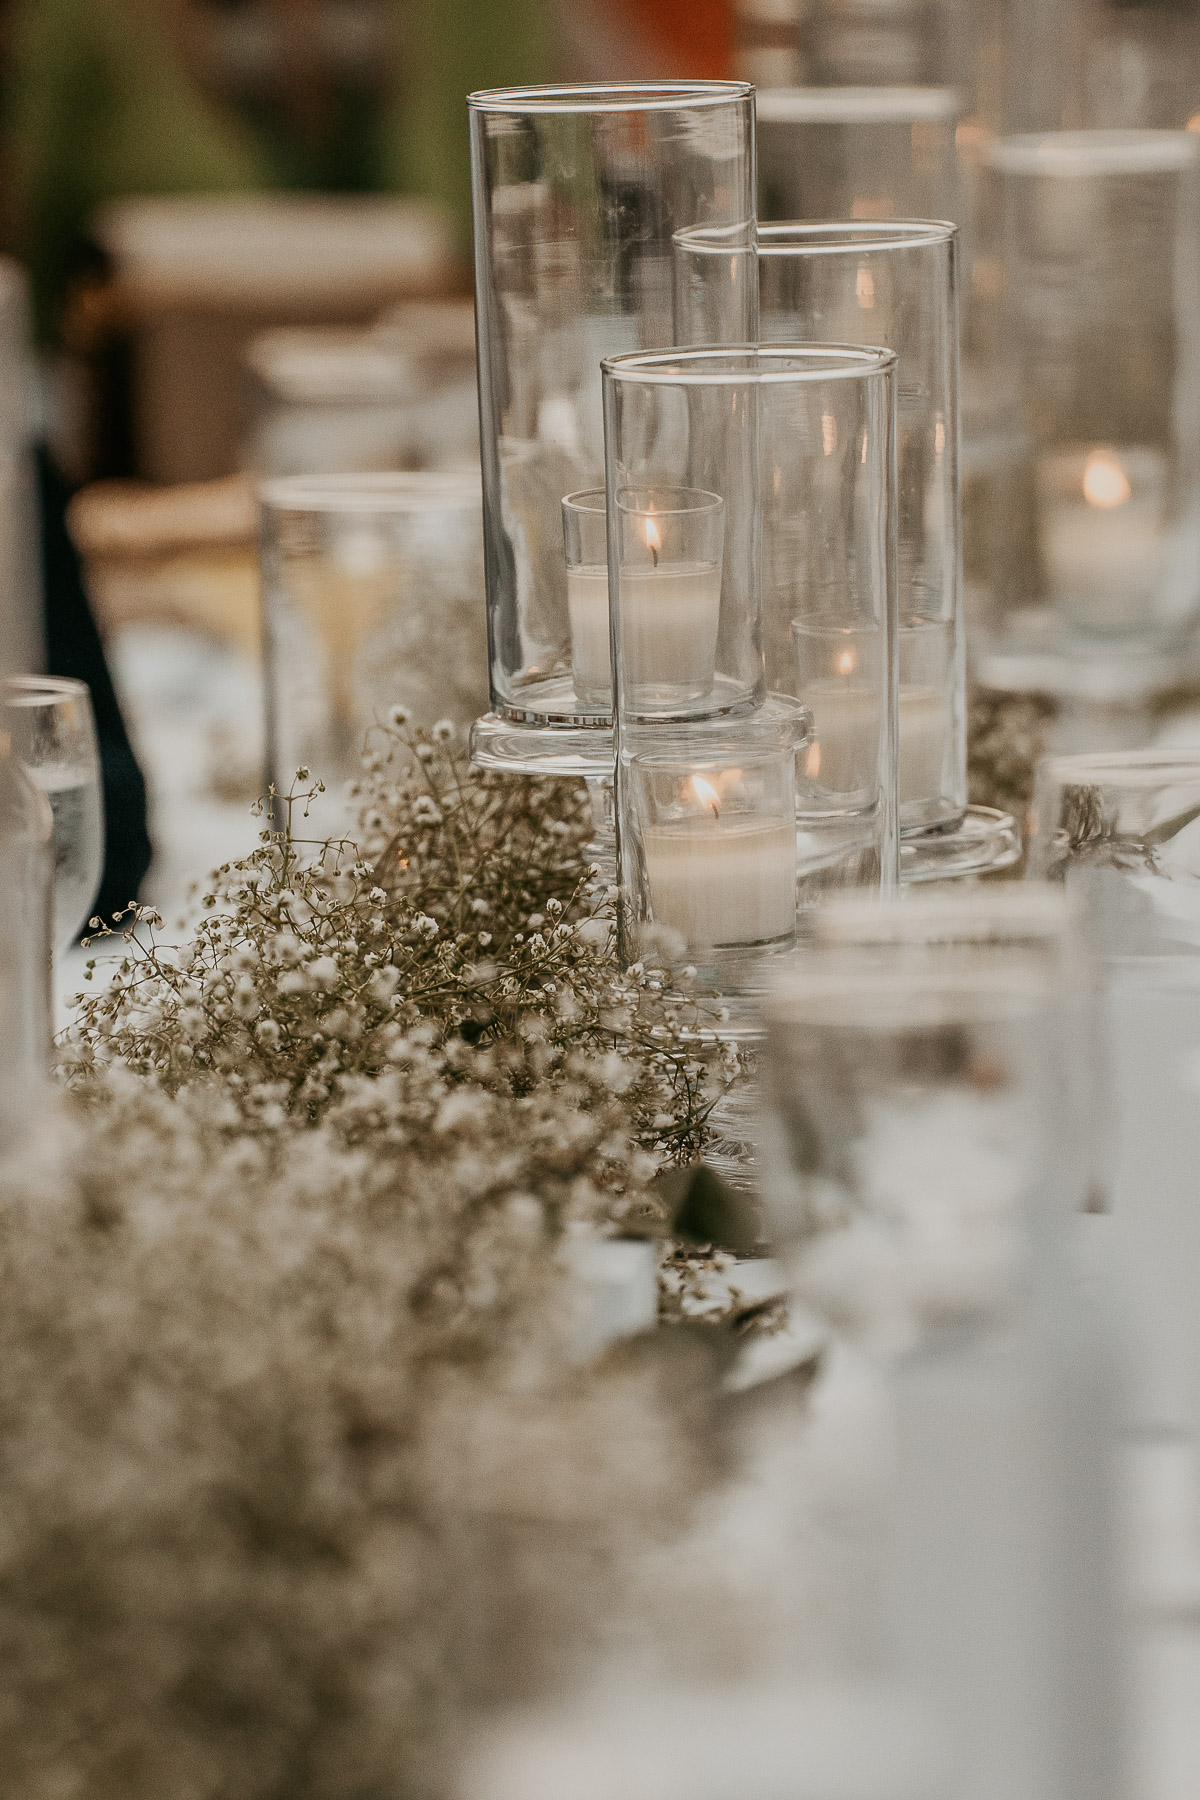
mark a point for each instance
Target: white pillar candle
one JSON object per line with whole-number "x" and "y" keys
{"x": 1103, "y": 535}
{"x": 670, "y": 615}
{"x": 722, "y": 880}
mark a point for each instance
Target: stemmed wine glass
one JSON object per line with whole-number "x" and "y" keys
{"x": 54, "y": 737}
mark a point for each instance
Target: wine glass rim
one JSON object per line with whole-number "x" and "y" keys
{"x": 39, "y": 690}
{"x": 608, "y": 96}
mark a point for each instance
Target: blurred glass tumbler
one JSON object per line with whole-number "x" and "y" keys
{"x": 912, "y": 1103}
{"x": 1102, "y": 274}
{"x": 54, "y": 737}
{"x": 577, "y": 192}
{"x": 371, "y": 595}
{"x": 797, "y": 443}
{"x": 1122, "y": 831}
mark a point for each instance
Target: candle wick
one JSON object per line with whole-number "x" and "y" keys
{"x": 654, "y": 554}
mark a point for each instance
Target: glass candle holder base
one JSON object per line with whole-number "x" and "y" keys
{"x": 582, "y": 751}
{"x": 1042, "y": 658}
{"x": 985, "y": 841}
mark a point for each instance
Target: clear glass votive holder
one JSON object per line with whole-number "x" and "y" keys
{"x": 371, "y": 588}
{"x": 1121, "y": 831}
{"x": 709, "y": 846}
{"x": 912, "y": 1131}
{"x": 857, "y": 153}
{"x": 1101, "y": 269}
{"x": 797, "y": 440}
{"x": 576, "y": 192}
{"x": 670, "y": 575}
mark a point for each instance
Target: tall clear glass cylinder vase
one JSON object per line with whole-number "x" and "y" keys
{"x": 858, "y": 153}
{"x": 896, "y": 284}
{"x": 577, "y": 193}
{"x": 755, "y": 673}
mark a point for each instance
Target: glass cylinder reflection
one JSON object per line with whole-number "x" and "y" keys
{"x": 577, "y": 192}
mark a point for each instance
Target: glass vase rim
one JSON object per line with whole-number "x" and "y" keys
{"x": 829, "y": 237}
{"x": 579, "y": 500}
{"x": 833, "y": 986}
{"x": 781, "y": 721}
{"x": 848, "y": 237}
{"x": 43, "y": 690}
{"x": 608, "y": 96}
{"x": 1028, "y": 908}
{"x": 699, "y": 365}
{"x": 854, "y": 103}
{"x": 748, "y": 753}
{"x": 1107, "y": 150}
{"x": 1145, "y": 768}
{"x": 384, "y": 492}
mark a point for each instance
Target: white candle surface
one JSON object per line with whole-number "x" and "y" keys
{"x": 1103, "y": 538}
{"x": 669, "y": 621}
{"x": 722, "y": 881}
{"x": 844, "y": 757}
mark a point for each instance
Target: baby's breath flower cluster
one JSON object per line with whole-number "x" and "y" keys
{"x": 269, "y": 1407}
{"x": 455, "y": 959}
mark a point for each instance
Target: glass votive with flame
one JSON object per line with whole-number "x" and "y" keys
{"x": 712, "y": 861}
{"x": 670, "y": 594}
{"x": 1103, "y": 512}
{"x": 838, "y": 670}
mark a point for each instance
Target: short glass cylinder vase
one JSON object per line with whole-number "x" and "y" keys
{"x": 577, "y": 193}
{"x": 858, "y": 153}
{"x": 1101, "y": 258}
{"x": 913, "y": 1132}
{"x": 797, "y": 441}
{"x": 371, "y": 599}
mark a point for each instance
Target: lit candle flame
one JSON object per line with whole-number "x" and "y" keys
{"x": 707, "y": 794}
{"x": 845, "y": 662}
{"x": 653, "y": 540}
{"x": 1105, "y": 482}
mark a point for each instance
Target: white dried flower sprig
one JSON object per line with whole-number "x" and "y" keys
{"x": 456, "y": 944}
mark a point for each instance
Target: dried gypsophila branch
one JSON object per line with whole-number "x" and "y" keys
{"x": 460, "y": 926}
